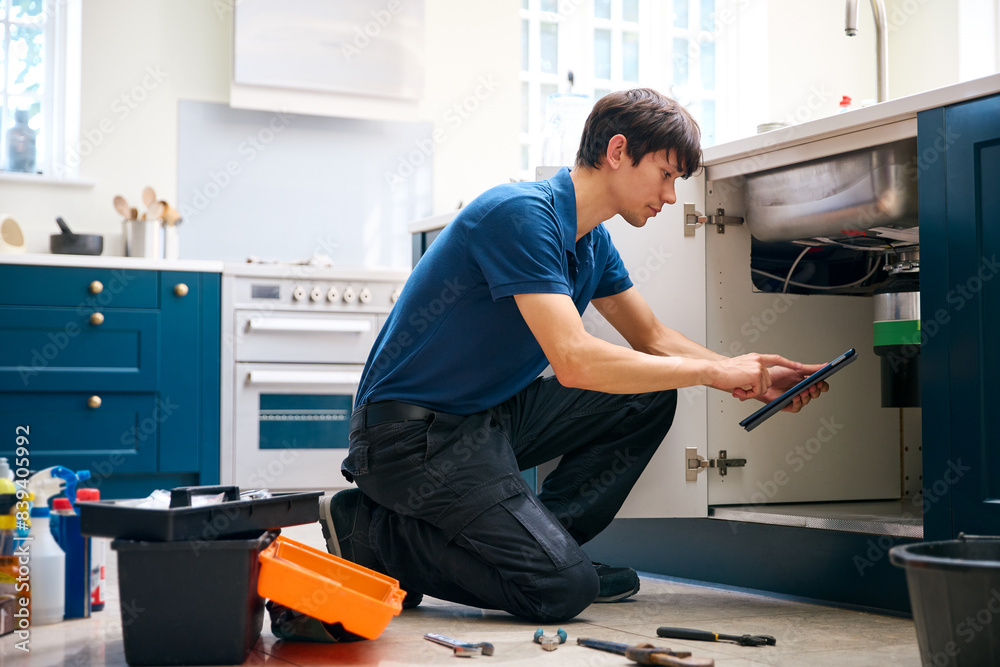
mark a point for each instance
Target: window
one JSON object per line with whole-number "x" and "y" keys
{"x": 34, "y": 83}
{"x": 613, "y": 45}
{"x": 541, "y": 72}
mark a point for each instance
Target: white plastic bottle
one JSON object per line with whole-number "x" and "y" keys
{"x": 47, "y": 578}
{"x": 46, "y": 560}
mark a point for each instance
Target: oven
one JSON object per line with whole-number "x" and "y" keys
{"x": 295, "y": 340}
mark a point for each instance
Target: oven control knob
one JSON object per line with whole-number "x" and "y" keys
{"x": 350, "y": 295}
{"x": 395, "y": 294}
{"x": 298, "y": 293}
{"x": 316, "y": 294}
{"x": 332, "y": 295}
{"x": 365, "y": 296}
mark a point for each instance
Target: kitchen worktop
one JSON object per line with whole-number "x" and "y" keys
{"x": 431, "y": 222}
{"x": 900, "y": 113}
{"x": 111, "y": 262}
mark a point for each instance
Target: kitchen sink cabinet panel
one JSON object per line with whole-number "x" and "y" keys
{"x": 50, "y": 349}
{"x": 960, "y": 305}
{"x": 134, "y": 397}
{"x": 83, "y": 288}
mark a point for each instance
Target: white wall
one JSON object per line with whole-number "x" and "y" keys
{"x": 470, "y": 44}
{"x": 811, "y": 63}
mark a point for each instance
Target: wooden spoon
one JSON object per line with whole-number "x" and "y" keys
{"x": 155, "y": 211}
{"x": 170, "y": 214}
{"x": 122, "y": 206}
{"x": 148, "y": 196}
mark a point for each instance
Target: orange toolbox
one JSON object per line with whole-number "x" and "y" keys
{"x": 329, "y": 588}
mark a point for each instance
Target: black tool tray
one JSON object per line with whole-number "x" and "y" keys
{"x": 230, "y": 518}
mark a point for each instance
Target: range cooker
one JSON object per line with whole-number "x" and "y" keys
{"x": 295, "y": 340}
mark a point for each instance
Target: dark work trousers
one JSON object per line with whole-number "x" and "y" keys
{"x": 453, "y": 517}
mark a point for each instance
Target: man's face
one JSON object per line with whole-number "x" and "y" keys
{"x": 646, "y": 187}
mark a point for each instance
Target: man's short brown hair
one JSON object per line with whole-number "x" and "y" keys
{"x": 649, "y": 121}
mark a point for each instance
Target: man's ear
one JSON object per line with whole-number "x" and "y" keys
{"x": 616, "y": 153}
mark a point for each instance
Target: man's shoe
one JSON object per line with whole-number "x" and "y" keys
{"x": 617, "y": 583}
{"x": 341, "y": 516}
{"x": 344, "y": 517}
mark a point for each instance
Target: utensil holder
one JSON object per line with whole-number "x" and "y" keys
{"x": 142, "y": 238}
{"x": 170, "y": 242}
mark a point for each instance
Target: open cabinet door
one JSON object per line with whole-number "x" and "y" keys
{"x": 668, "y": 268}
{"x": 842, "y": 447}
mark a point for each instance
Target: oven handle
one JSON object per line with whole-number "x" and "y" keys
{"x": 302, "y": 324}
{"x": 304, "y": 377}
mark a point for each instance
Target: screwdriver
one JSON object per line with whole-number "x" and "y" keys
{"x": 705, "y": 636}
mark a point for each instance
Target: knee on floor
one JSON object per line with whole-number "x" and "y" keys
{"x": 563, "y": 595}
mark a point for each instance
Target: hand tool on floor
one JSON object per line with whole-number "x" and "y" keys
{"x": 462, "y": 649}
{"x": 550, "y": 643}
{"x": 702, "y": 635}
{"x": 647, "y": 654}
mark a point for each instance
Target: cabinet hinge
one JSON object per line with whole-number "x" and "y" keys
{"x": 693, "y": 220}
{"x": 696, "y": 463}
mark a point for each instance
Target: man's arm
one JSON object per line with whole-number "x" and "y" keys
{"x": 584, "y": 361}
{"x": 632, "y": 317}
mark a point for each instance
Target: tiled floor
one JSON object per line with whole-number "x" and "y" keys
{"x": 806, "y": 634}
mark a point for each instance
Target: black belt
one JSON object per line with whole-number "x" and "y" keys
{"x": 385, "y": 412}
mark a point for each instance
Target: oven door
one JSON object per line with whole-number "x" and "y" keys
{"x": 291, "y": 425}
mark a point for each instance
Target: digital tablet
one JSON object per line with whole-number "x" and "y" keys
{"x": 757, "y": 418}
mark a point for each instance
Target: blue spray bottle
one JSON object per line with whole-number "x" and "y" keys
{"x": 66, "y": 529}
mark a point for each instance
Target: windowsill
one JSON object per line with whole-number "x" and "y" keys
{"x": 45, "y": 179}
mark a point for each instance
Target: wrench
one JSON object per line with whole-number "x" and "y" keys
{"x": 462, "y": 649}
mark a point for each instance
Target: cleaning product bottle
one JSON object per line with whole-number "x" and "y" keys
{"x": 8, "y": 533}
{"x": 77, "y": 571}
{"x": 46, "y": 561}
{"x": 98, "y": 555}
{"x": 845, "y": 104}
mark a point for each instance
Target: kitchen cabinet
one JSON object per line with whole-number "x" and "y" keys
{"x": 793, "y": 520}
{"x": 112, "y": 370}
{"x": 960, "y": 292}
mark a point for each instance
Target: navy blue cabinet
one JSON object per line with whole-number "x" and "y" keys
{"x": 111, "y": 370}
{"x": 959, "y": 147}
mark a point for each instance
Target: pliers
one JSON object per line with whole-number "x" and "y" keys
{"x": 550, "y": 643}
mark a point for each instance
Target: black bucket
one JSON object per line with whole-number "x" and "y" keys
{"x": 955, "y": 594}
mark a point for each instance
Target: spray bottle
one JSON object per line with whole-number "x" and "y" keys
{"x": 46, "y": 561}
{"x": 65, "y": 525}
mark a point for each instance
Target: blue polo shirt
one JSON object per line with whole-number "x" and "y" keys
{"x": 455, "y": 341}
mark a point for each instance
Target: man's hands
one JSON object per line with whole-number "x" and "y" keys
{"x": 765, "y": 377}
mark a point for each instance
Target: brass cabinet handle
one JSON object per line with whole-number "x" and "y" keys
{"x": 97, "y": 319}
{"x": 94, "y": 402}
{"x": 96, "y": 287}
{"x": 180, "y": 289}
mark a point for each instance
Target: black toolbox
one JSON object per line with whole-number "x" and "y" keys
{"x": 190, "y": 603}
{"x": 118, "y": 519}
{"x": 187, "y": 576}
